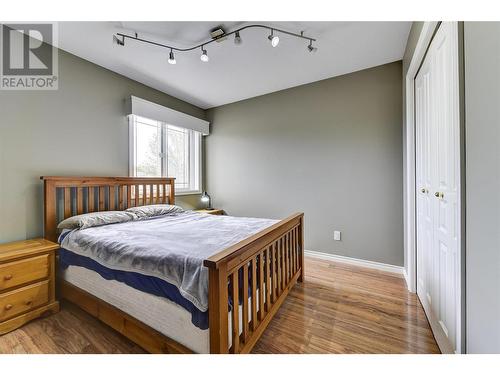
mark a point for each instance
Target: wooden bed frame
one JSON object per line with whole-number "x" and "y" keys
{"x": 273, "y": 257}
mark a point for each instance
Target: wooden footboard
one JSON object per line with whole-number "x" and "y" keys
{"x": 262, "y": 268}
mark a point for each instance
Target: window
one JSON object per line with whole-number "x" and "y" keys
{"x": 158, "y": 149}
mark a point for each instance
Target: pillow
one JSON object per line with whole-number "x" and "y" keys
{"x": 94, "y": 219}
{"x": 144, "y": 212}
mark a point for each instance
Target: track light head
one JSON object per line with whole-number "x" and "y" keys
{"x": 310, "y": 47}
{"x": 204, "y": 56}
{"x": 273, "y": 38}
{"x": 118, "y": 41}
{"x": 171, "y": 58}
{"x": 237, "y": 38}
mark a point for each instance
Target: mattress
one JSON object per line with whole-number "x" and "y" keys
{"x": 159, "y": 313}
{"x": 143, "y": 283}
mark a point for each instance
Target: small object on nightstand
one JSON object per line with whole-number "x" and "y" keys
{"x": 205, "y": 198}
{"x": 211, "y": 211}
{"x": 27, "y": 282}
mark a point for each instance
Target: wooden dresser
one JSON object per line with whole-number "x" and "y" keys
{"x": 27, "y": 282}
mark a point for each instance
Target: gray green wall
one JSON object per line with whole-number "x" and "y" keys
{"x": 80, "y": 129}
{"x": 331, "y": 149}
{"x": 482, "y": 143}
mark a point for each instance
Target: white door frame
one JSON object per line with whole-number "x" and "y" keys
{"x": 423, "y": 42}
{"x": 410, "y": 222}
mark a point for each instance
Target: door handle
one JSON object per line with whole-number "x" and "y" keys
{"x": 439, "y": 194}
{"x": 424, "y": 191}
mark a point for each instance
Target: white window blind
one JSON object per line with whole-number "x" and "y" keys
{"x": 147, "y": 109}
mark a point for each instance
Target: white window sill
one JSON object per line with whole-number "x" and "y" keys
{"x": 187, "y": 192}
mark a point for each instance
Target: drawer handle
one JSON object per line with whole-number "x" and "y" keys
{"x": 8, "y": 307}
{"x": 7, "y": 277}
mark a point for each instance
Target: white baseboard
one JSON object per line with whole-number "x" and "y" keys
{"x": 357, "y": 262}
{"x": 405, "y": 275}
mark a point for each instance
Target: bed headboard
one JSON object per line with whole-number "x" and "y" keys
{"x": 68, "y": 196}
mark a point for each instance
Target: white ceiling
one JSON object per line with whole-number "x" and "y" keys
{"x": 235, "y": 72}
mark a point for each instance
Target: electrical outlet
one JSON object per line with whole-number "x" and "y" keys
{"x": 336, "y": 235}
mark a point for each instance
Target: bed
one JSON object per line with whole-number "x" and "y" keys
{"x": 243, "y": 268}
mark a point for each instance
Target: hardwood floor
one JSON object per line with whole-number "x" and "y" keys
{"x": 339, "y": 309}
{"x": 347, "y": 309}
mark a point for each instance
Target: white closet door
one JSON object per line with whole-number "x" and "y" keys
{"x": 446, "y": 191}
{"x": 424, "y": 181}
{"x": 438, "y": 212}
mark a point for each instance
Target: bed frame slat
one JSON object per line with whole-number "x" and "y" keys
{"x": 129, "y": 195}
{"x": 120, "y": 198}
{"x": 244, "y": 298}
{"x": 274, "y": 272}
{"x": 294, "y": 240}
{"x": 171, "y": 194}
{"x": 79, "y": 201}
{"x": 136, "y": 199}
{"x": 67, "y": 202}
{"x": 112, "y": 198}
{"x": 91, "y": 199}
{"x": 235, "y": 347}
{"x": 254, "y": 293}
{"x": 289, "y": 255}
{"x": 285, "y": 258}
{"x": 262, "y": 298}
{"x": 268, "y": 278}
{"x": 280, "y": 259}
{"x": 102, "y": 198}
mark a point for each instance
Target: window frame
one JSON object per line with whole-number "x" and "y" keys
{"x": 195, "y": 146}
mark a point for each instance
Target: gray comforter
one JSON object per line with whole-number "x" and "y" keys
{"x": 170, "y": 247}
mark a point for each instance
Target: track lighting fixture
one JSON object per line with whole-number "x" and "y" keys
{"x": 310, "y": 47}
{"x": 119, "y": 39}
{"x": 237, "y": 38}
{"x": 171, "y": 58}
{"x": 204, "y": 56}
{"x": 274, "y": 39}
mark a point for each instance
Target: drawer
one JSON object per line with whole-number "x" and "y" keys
{"x": 23, "y": 299}
{"x": 23, "y": 271}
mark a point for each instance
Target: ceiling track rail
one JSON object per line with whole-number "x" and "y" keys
{"x": 120, "y": 38}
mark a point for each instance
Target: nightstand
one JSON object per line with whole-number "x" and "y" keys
{"x": 213, "y": 211}
{"x": 27, "y": 282}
